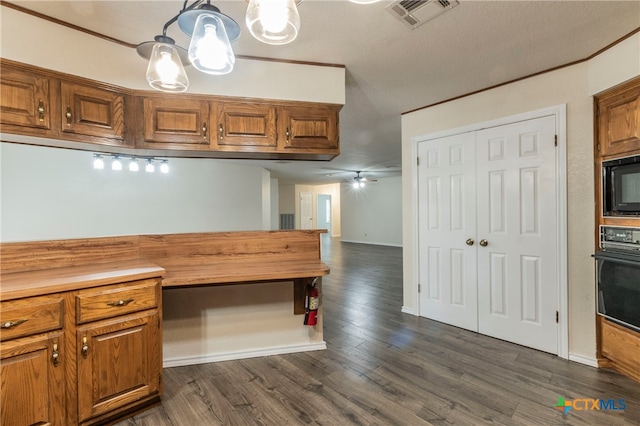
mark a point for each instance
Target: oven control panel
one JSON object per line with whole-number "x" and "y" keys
{"x": 620, "y": 237}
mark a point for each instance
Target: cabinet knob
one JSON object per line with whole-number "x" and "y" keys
{"x": 68, "y": 115}
{"x": 124, "y": 302}
{"x": 10, "y": 324}
{"x": 55, "y": 355}
{"x": 40, "y": 110}
{"x": 85, "y": 347}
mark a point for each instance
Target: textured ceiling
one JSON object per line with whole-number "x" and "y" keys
{"x": 390, "y": 69}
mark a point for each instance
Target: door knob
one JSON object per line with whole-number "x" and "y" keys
{"x": 470, "y": 242}
{"x": 484, "y": 243}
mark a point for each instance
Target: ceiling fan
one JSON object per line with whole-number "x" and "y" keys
{"x": 359, "y": 181}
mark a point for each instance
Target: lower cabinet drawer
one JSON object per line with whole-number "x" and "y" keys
{"x": 33, "y": 315}
{"x": 112, "y": 301}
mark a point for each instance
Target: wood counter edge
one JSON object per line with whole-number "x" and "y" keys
{"x": 16, "y": 285}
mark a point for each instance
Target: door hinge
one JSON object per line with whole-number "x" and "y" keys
{"x": 555, "y": 140}
{"x": 557, "y": 317}
{"x": 417, "y": 161}
{"x": 419, "y": 289}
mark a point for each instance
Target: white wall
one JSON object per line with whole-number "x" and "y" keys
{"x": 573, "y": 86}
{"x": 51, "y": 193}
{"x": 373, "y": 214}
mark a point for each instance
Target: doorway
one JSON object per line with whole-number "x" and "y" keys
{"x": 324, "y": 212}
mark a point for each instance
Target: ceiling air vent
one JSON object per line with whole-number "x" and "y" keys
{"x": 416, "y": 12}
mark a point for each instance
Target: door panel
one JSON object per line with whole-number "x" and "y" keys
{"x": 517, "y": 281}
{"x": 306, "y": 210}
{"x": 447, "y": 204}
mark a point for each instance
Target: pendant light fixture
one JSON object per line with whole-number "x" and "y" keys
{"x": 210, "y": 49}
{"x": 273, "y": 21}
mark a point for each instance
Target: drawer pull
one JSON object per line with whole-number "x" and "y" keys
{"x": 120, "y": 302}
{"x": 68, "y": 116}
{"x": 55, "y": 355}
{"x": 85, "y": 347}
{"x": 40, "y": 110}
{"x": 10, "y": 324}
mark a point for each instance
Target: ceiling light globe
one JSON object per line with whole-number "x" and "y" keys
{"x": 98, "y": 162}
{"x": 210, "y": 50}
{"x": 165, "y": 71}
{"x": 273, "y": 21}
{"x": 116, "y": 164}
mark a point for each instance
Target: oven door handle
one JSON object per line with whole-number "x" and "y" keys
{"x": 628, "y": 259}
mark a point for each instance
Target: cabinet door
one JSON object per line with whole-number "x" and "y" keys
{"x": 619, "y": 121}
{"x": 32, "y": 372}
{"x": 174, "y": 122}
{"x": 91, "y": 111}
{"x": 25, "y": 99}
{"x": 308, "y": 128}
{"x": 241, "y": 125}
{"x": 119, "y": 363}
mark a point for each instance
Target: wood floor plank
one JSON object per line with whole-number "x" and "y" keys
{"x": 383, "y": 367}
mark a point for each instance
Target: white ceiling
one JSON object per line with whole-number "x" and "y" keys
{"x": 390, "y": 69}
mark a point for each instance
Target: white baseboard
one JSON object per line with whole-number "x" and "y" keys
{"x": 591, "y": 362}
{"x": 408, "y": 310}
{"x": 227, "y": 356}
{"x": 371, "y": 242}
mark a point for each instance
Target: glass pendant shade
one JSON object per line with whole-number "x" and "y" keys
{"x": 210, "y": 50}
{"x": 273, "y": 21}
{"x": 165, "y": 71}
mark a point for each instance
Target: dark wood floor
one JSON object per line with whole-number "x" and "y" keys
{"x": 383, "y": 367}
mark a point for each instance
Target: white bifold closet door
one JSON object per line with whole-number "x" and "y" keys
{"x": 488, "y": 233}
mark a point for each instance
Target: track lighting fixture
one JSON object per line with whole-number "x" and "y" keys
{"x": 116, "y": 164}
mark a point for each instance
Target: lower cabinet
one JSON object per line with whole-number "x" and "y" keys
{"x": 117, "y": 363}
{"x": 82, "y": 357}
{"x": 33, "y": 374}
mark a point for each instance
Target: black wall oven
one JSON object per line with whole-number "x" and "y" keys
{"x": 618, "y": 275}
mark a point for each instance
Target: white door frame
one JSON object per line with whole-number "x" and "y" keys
{"x": 560, "y": 114}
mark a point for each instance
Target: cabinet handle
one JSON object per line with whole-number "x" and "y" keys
{"x": 68, "y": 115}
{"x": 10, "y": 324}
{"x": 40, "y": 110}
{"x": 85, "y": 347}
{"x": 124, "y": 302}
{"x": 220, "y": 130}
{"x": 287, "y": 134}
{"x": 204, "y": 130}
{"x": 55, "y": 355}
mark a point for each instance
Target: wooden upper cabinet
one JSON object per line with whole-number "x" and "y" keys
{"x": 179, "y": 121}
{"x": 25, "y": 99}
{"x": 242, "y": 125}
{"x": 619, "y": 120}
{"x": 308, "y": 128}
{"x": 91, "y": 111}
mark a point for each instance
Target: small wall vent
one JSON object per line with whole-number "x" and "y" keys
{"x": 416, "y": 12}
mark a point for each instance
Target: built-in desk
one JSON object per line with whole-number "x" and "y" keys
{"x": 79, "y": 310}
